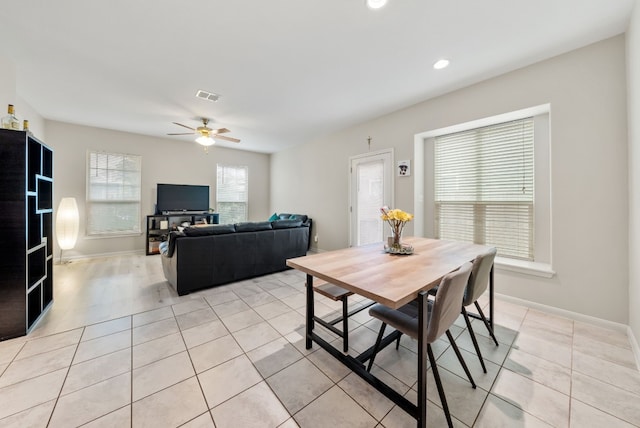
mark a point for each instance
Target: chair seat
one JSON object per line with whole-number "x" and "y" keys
{"x": 404, "y": 319}
{"x": 440, "y": 315}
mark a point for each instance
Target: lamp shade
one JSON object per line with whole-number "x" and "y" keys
{"x": 205, "y": 141}
{"x": 376, "y": 4}
{"x": 67, "y": 223}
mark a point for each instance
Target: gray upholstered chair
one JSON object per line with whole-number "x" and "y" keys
{"x": 478, "y": 282}
{"x": 477, "y": 285}
{"x": 441, "y": 314}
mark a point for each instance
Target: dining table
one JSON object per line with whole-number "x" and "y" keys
{"x": 392, "y": 280}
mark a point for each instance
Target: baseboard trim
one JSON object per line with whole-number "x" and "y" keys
{"x": 599, "y": 322}
{"x": 623, "y": 328}
{"x": 96, "y": 256}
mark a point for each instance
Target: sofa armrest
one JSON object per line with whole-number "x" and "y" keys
{"x": 171, "y": 246}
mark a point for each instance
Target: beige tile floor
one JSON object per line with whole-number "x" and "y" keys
{"x": 119, "y": 348}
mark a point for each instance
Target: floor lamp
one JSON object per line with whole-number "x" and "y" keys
{"x": 67, "y": 224}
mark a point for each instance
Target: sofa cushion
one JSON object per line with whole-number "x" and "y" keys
{"x": 303, "y": 218}
{"x": 284, "y": 216}
{"x": 253, "y": 226}
{"x": 217, "y": 229}
{"x": 286, "y": 224}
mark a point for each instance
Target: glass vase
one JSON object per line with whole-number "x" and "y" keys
{"x": 394, "y": 241}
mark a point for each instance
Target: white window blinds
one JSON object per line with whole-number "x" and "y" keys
{"x": 484, "y": 187}
{"x": 232, "y": 193}
{"x": 113, "y": 193}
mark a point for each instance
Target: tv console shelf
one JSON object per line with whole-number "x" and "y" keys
{"x": 159, "y": 226}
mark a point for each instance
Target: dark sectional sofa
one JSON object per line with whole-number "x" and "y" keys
{"x": 203, "y": 257}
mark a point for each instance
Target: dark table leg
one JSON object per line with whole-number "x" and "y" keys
{"x": 356, "y": 364}
{"x": 310, "y": 312}
{"x": 422, "y": 360}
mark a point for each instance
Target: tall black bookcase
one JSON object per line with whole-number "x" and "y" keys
{"x": 26, "y": 251}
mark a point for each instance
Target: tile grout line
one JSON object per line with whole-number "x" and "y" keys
{"x": 254, "y": 367}
{"x": 14, "y": 358}
{"x": 501, "y": 367}
{"x": 250, "y": 361}
{"x": 55, "y": 405}
{"x": 194, "y": 369}
{"x": 84, "y": 332}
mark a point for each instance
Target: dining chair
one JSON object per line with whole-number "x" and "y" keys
{"x": 441, "y": 314}
{"x": 477, "y": 285}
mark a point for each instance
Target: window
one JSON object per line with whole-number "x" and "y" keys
{"x": 484, "y": 187}
{"x": 113, "y": 193}
{"x": 232, "y": 193}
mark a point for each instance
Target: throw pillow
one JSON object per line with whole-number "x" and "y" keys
{"x": 273, "y": 217}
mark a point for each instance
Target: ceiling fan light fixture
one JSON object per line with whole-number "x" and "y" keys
{"x": 205, "y": 141}
{"x": 376, "y": 4}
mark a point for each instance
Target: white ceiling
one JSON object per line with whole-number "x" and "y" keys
{"x": 288, "y": 71}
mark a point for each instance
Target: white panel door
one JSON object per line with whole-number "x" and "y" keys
{"x": 371, "y": 188}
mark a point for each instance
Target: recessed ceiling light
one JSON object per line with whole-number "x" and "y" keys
{"x": 376, "y": 4}
{"x": 440, "y": 64}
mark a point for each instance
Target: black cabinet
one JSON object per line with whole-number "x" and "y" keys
{"x": 26, "y": 252}
{"x": 159, "y": 226}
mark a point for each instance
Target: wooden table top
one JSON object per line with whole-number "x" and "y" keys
{"x": 392, "y": 280}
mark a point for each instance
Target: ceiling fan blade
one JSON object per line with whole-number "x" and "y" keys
{"x": 184, "y": 126}
{"x": 222, "y": 137}
{"x": 219, "y": 131}
{"x": 182, "y": 133}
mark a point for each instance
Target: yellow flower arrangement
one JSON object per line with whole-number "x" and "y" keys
{"x": 396, "y": 219}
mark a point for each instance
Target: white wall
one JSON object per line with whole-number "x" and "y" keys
{"x": 9, "y": 95}
{"x": 36, "y": 122}
{"x": 633, "y": 84}
{"x": 163, "y": 161}
{"x": 7, "y": 84}
{"x": 587, "y": 92}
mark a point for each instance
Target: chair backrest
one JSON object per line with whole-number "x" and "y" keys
{"x": 447, "y": 303}
{"x": 479, "y": 278}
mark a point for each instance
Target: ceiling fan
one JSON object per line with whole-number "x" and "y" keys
{"x": 206, "y": 135}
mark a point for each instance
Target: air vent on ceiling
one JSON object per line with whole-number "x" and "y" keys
{"x": 207, "y": 95}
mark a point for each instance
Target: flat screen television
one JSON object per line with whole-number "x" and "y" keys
{"x": 182, "y": 197}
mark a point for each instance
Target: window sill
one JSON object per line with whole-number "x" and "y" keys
{"x": 542, "y": 270}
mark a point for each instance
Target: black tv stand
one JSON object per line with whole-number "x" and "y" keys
{"x": 183, "y": 212}
{"x": 159, "y": 225}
